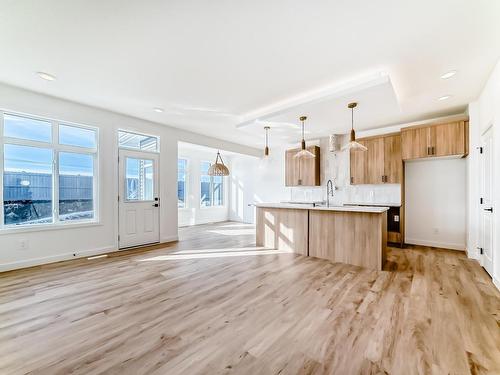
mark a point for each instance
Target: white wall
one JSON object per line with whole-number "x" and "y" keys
{"x": 435, "y": 194}
{"x": 258, "y": 180}
{"x": 193, "y": 214}
{"x": 485, "y": 113}
{"x": 59, "y": 244}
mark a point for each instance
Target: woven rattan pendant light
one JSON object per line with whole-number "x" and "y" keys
{"x": 218, "y": 169}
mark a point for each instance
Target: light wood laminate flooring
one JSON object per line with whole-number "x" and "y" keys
{"x": 215, "y": 304}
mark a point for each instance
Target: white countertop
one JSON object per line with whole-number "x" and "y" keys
{"x": 385, "y": 204}
{"x": 368, "y": 209}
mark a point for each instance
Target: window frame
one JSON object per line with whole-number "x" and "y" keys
{"x": 186, "y": 182}
{"x": 56, "y": 149}
{"x": 211, "y": 206}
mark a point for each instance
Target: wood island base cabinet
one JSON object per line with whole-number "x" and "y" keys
{"x": 283, "y": 229}
{"x": 357, "y": 238}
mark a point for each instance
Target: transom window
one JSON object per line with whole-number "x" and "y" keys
{"x": 48, "y": 173}
{"x": 136, "y": 141}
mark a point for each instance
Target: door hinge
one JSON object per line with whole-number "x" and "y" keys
{"x": 480, "y": 150}
{"x": 480, "y": 200}
{"x": 118, "y": 238}
{"x": 481, "y": 250}
{"x": 118, "y": 198}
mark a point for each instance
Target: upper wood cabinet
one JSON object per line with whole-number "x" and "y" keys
{"x": 448, "y": 139}
{"x": 302, "y": 171}
{"x": 380, "y": 164}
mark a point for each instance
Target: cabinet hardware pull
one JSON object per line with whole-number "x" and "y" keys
{"x": 428, "y": 150}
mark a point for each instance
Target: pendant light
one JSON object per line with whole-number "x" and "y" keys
{"x": 303, "y": 153}
{"x": 353, "y": 145}
{"x": 218, "y": 169}
{"x": 266, "y": 149}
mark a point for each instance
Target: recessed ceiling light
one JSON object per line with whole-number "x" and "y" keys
{"x": 444, "y": 97}
{"x": 449, "y": 74}
{"x": 46, "y": 76}
{"x": 159, "y": 110}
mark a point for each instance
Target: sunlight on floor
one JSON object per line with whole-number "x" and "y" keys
{"x": 233, "y": 232}
{"x": 215, "y": 253}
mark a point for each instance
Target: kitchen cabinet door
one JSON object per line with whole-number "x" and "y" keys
{"x": 375, "y": 161}
{"x": 393, "y": 163}
{"x": 449, "y": 139}
{"x": 302, "y": 171}
{"x": 415, "y": 143}
{"x": 359, "y": 166}
{"x": 291, "y": 168}
{"x": 309, "y": 173}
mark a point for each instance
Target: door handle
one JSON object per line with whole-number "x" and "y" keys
{"x": 489, "y": 209}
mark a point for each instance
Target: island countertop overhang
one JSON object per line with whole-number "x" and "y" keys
{"x": 363, "y": 209}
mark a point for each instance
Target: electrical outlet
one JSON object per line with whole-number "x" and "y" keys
{"x": 23, "y": 245}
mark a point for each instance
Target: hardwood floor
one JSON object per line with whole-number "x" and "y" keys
{"x": 215, "y": 304}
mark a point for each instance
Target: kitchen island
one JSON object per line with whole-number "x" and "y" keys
{"x": 347, "y": 234}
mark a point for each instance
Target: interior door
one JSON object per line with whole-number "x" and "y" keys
{"x": 139, "y": 213}
{"x": 486, "y": 225}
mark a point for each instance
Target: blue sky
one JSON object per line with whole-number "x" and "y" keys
{"x": 39, "y": 160}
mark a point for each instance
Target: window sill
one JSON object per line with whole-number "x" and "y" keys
{"x": 48, "y": 227}
{"x": 212, "y": 207}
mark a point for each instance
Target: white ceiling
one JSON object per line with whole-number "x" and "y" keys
{"x": 214, "y": 65}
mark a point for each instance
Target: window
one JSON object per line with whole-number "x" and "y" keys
{"x": 76, "y": 186}
{"x": 75, "y": 136}
{"x": 138, "y": 141}
{"x": 27, "y": 128}
{"x": 47, "y": 179}
{"x": 139, "y": 179}
{"x": 27, "y": 185}
{"x": 211, "y": 187}
{"x": 181, "y": 183}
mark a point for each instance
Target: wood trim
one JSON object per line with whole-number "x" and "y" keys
{"x": 378, "y": 136}
{"x": 442, "y": 122}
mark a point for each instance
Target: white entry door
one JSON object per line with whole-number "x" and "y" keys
{"x": 139, "y": 213}
{"x": 486, "y": 207}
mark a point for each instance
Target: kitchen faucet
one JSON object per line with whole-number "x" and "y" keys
{"x": 329, "y": 192}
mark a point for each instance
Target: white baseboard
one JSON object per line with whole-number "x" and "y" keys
{"x": 444, "y": 245}
{"x": 55, "y": 258}
{"x": 496, "y": 282}
{"x": 169, "y": 239}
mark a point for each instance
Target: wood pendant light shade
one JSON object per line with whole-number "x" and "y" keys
{"x": 218, "y": 169}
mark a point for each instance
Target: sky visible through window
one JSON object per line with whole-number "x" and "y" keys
{"x": 29, "y": 172}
